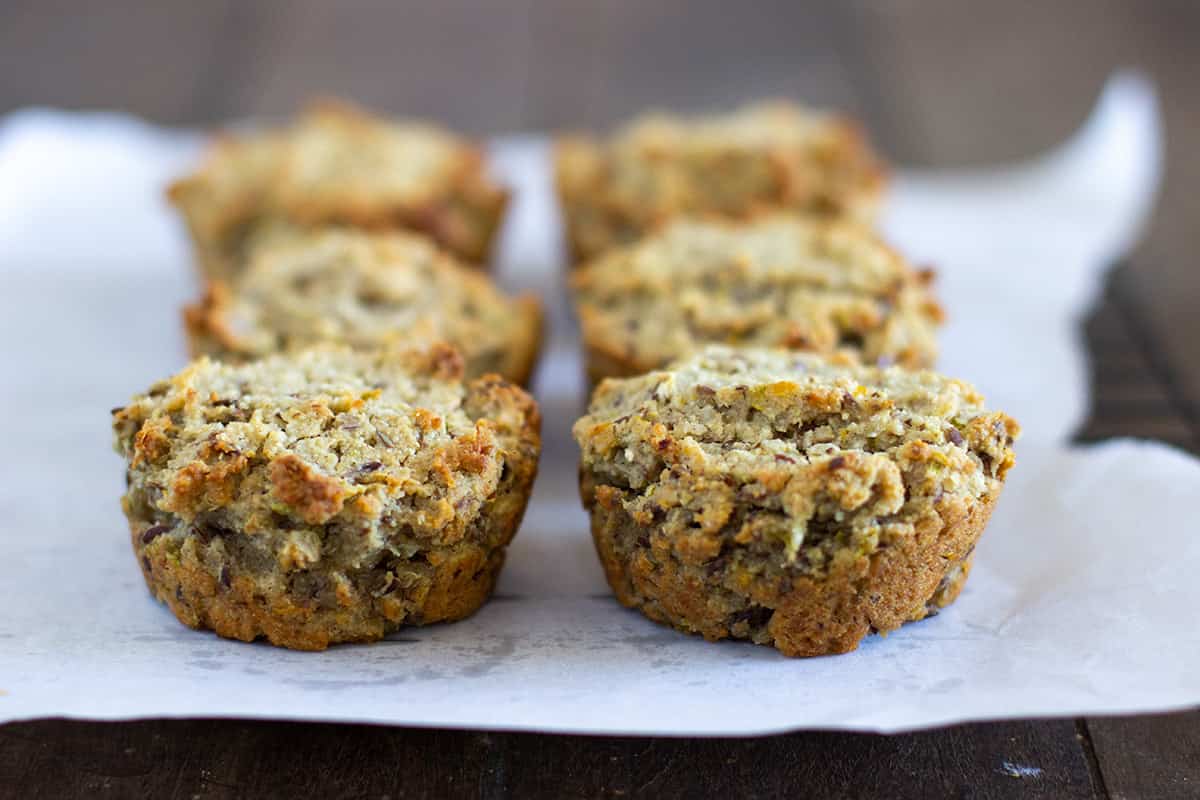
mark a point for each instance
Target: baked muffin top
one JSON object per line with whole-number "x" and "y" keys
{"x": 760, "y": 156}
{"x": 364, "y": 290}
{"x": 338, "y": 158}
{"x": 790, "y": 454}
{"x": 284, "y": 448}
{"x": 778, "y": 280}
{"x": 336, "y": 163}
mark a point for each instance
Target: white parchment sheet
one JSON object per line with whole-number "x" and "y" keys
{"x": 1083, "y": 599}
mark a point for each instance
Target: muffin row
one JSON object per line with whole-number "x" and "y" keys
{"x": 351, "y": 450}
{"x": 744, "y": 229}
{"x": 763, "y": 457}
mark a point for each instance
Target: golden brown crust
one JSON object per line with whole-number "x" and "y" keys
{"x": 806, "y": 617}
{"x": 313, "y": 496}
{"x": 780, "y": 498}
{"x": 530, "y": 345}
{"x": 463, "y": 219}
{"x": 775, "y": 280}
{"x": 769, "y": 156}
{"x": 366, "y": 291}
{"x": 458, "y": 584}
{"x": 338, "y": 165}
{"x": 327, "y": 497}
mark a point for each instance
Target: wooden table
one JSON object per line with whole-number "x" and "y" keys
{"x": 944, "y": 82}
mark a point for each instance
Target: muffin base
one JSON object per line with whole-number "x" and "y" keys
{"x": 205, "y": 588}
{"x": 799, "y": 615}
{"x": 238, "y": 608}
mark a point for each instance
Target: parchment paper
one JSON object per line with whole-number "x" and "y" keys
{"x": 1082, "y": 601}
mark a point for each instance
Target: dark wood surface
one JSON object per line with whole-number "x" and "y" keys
{"x": 943, "y": 82}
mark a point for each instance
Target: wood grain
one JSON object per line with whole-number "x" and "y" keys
{"x": 599, "y": 63}
{"x": 223, "y": 759}
{"x": 1167, "y": 283}
{"x": 1152, "y": 757}
{"x": 940, "y": 82}
{"x": 157, "y": 59}
{"x": 969, "y": 83}
{"x": 458, "y": 61}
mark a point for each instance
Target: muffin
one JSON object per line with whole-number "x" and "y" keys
{"x": 339, "y": 165}
{"x": 330, "y": 496}
{"x": 364, "y": 290}
{"x": 787, "y": 499}
{"x": 774, "y": 281}
{"x": 765, "y": 156}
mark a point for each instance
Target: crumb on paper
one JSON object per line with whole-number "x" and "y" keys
{"x": 1020, "y": 770}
